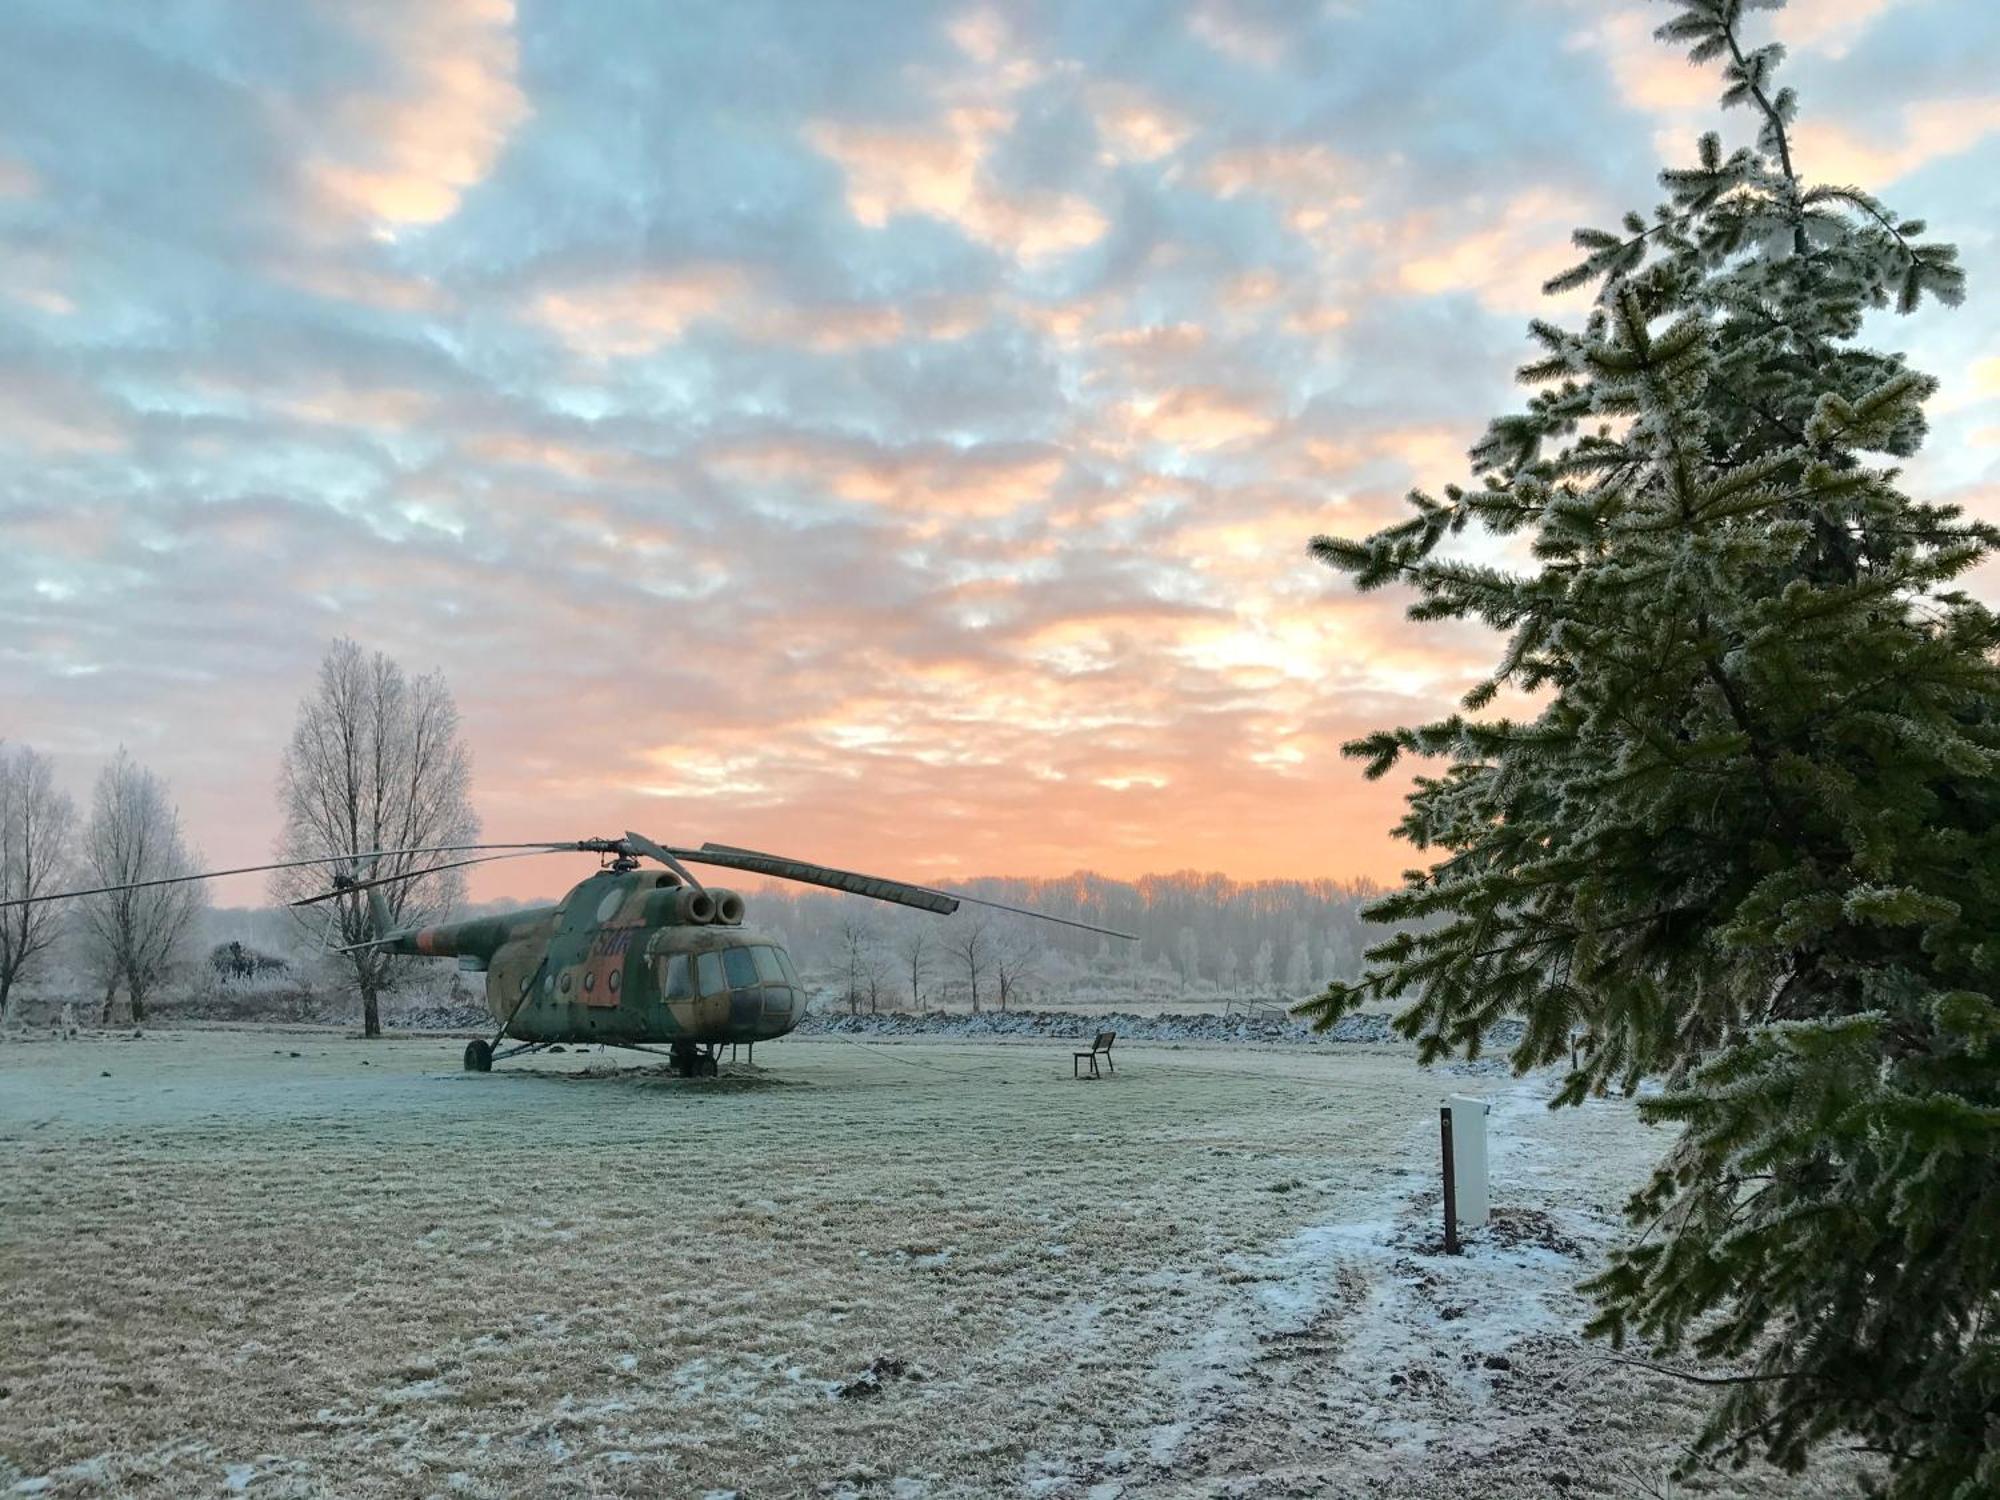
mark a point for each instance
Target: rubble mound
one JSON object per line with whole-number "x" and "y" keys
{"x": 1054, "y": 1024}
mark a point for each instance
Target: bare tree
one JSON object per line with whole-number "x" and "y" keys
{"x": 1298, "y": 972}
{"x": 375, "y": 762}
{"x": 134, "y": 834}
{"x": 1187, "y": 947}
{"x": 972, "y": 949}
{"x": 36, "y": 824}
{"x": 1015, "y": 957}
{"x": 875, "y": 973}
{"x": 914, "y": 952}
{"x": 854, "y": 945}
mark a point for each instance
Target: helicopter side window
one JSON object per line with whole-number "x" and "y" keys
{"x": 740, "y": 966}
{"x": 708, "y": 971}
{"x": 767, "y": 965}
{"x": 678, "y": 983}
{"x": 785, "y": 963}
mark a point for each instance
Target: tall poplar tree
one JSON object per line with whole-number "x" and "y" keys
{"x": 1749, "y": 840}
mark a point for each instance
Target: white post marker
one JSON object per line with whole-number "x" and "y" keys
{"x": 1468, "y": 1158}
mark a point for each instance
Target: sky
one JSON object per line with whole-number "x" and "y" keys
{"x": 886, "y": 433}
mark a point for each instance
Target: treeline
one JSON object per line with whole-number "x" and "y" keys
{"x": 1198, "y": 934}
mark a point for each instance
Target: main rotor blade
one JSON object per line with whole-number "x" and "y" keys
{"x": 644, "y": 845}
{"x": 872, "y": 886}
{"x": 1042, "y": 916}
{"x": 954, "y": 896}
{"x": 457, "y": 864}
{"x": 283, "y": 864}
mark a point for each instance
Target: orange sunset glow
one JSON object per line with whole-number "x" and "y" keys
{"x": 893, "y": 445}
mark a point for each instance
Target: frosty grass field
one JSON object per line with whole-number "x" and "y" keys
{"x": 289, "y": 1263}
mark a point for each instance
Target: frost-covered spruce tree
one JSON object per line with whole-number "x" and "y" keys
{"x": 1749, "y": 842}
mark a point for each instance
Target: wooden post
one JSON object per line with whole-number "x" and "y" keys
{"x": 1450, "y": 1188}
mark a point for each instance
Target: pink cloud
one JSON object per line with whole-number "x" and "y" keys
{"x": 1135, "y": 127}
{"x": 940, "y": 172}
{"x": 638, "y": 314}
{"x": 1319, "y": 189}
{"x": 18, "y": 179}
{"x": 406, "y": 154}
{"x": 1499, "y": 250}
{"x": 1863, "y": 156}
{"x": 1197, "y": 417}
{"x": 1229, "y": 31}
{"x": 943, "y": 169}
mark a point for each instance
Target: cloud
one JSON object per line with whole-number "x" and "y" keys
{"x": 769, "y": 422}
{"x": 1500, "y": 252}
{"x": 1871, "y": 157}
{"x": 1862, "y": 124}
{"x": 1315, "y": 184}
{"x": 406, "y": 151}
{"x": 1133, "y": 126}
{"x": 1231, "y": 30}
{"x": 1831, "y": 26}
{"x": 940, "y": 171}
{"x": 636, "y": 315}
{"x": 1648, "y": 75}
{"x": 1197, "y": 417}
{"x": 945, "y": 166}
{"x": 18, "y": 179}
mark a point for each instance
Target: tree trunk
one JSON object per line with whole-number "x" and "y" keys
{"x": 110, "y": 994}
{"x": 371, "y": 1012}
{"x": 6, "y": 984}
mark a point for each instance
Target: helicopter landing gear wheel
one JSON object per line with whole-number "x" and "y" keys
{"x": 708, "y": 1065}
{"x": 478, "y": 1056}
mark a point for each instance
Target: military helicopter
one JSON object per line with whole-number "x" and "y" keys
{"x": 631, "y": 957}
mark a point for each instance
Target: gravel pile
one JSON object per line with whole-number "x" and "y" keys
{"x": 1158, "y": 1028}
{"x": 1027, "y": 1024}
{"x": 991, "y": 1024}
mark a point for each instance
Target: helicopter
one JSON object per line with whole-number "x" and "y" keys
{"x": 632, "y": 957}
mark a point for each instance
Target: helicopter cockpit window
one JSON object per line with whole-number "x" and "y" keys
{"x": 772, "y": 968}
{"x": 785, "y": 963}
{"x": 678, "y": 982}
{"x": 708, "y": 974}
{"x": 740, "y": 966}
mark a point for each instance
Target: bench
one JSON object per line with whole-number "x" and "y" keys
{"x": 1099, "y": 1048}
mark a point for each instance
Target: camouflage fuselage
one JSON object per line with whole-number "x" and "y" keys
{"x": 617, "y": 961}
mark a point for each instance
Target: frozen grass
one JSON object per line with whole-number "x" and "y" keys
{"x": 287, "y": 1263}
